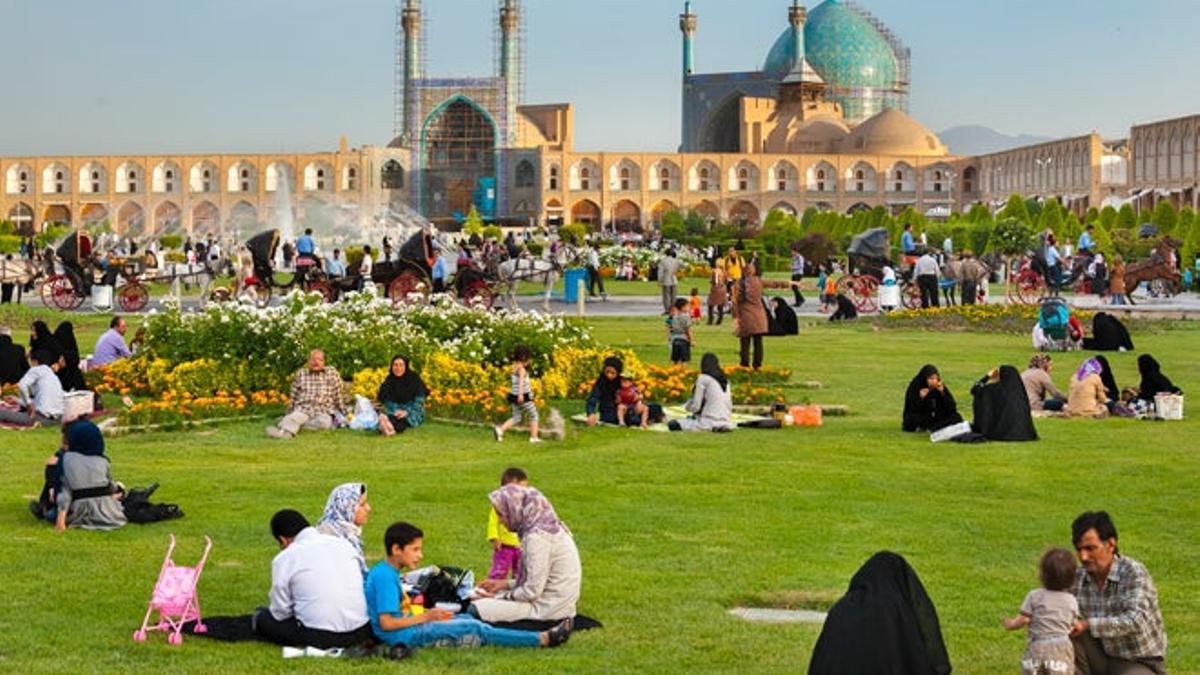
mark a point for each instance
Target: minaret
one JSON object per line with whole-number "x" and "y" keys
{"x": 510, "y": 64}
{"x": 410, "y": 21}
{"x": 687, "y": 25}
{"x": 796, "y": 17}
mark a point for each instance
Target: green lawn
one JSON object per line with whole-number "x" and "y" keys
{"x": 673, "y": 530}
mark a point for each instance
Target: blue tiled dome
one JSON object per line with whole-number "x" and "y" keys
{"x": 845, "y": 49}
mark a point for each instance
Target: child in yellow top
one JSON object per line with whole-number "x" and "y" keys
{"x": 506, "y": 547}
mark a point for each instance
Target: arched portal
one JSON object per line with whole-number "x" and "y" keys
{"x": 21, "y": 216}
{"x": 721, "y": 133}
{"x": 93, "y": 214}
{"x": 168, "y": 219}
{"x": 57, "y": 214}
{"x": 206, "y": 219}
{"x": 585, "y": 211}
{"x": 459, "y": 145}
{"x": 131, "y": 220}
{"x": 627, "y": 216}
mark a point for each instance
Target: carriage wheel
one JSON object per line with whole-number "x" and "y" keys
{"x": 58, "y": 292}
{"x": 1031, "y": 287}
{"x": 408, "y": 288}
{"x": 133, "y": 297}
{"x": 478, "y": 294}
{"x": 861, "y": 290}
{"x": 324, "y": 289}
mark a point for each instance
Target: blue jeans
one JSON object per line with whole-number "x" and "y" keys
{"x": 461, "y": 631}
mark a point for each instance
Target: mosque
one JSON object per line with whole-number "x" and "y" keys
{"x": 822, "y": 124}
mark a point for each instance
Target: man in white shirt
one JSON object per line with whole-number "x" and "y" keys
{"x": 316, "y": 593}
{"x": 593, "y": 270}
{"x": 926, "y": 273}
{"x": 41, "y": 395}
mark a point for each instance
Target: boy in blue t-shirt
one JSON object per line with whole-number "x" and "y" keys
{"x": 394, "y": 623}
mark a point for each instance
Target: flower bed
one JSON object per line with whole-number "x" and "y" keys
{"x": 176, "y": 408}
{"x": 975, "y": 318}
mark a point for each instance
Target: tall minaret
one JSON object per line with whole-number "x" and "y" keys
{"x": 687, "y": 25}
{"x": 510, "y": 63}
{"x": 410, "y": 21}
{"x": 796, "y": 17}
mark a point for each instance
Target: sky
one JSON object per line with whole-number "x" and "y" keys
{"x": 177, "y": 76}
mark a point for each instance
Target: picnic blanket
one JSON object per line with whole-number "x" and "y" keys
{"x": 674, "y": 412}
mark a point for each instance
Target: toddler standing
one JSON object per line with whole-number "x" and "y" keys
{"x": 506, "y": 547}
{"x": 694, "y": 304}
{"x": 521, "y": 396}
{"x": 1049, "y": 612}
{"x": 679, "y": 332}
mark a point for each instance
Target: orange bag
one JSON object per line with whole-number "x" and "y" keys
{"x": 806, "y": 415}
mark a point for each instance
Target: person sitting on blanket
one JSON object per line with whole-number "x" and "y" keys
{"x": 629, "y": 399}
{"x": 602, "y": 402}
{"x": 40, "y": 400}
{"x": 395, "y": 623}
{"x": 316, "y": 597}
{"x": 711, "y": 405}
{"x": 402, "y": 395}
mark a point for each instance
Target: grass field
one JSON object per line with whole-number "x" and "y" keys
{"x": 673, "y": 530}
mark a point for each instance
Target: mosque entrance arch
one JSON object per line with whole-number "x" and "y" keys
{"x": 721, "y": 133}
{"x": 458, "y": 146}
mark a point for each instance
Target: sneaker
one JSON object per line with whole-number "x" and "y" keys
{"x": 275, "y": 432}
{"x": 534, "y": 439}
{"x": 498, "y": 434}
{"x": 559, "y": 635}
{"x": 399, "y": 652}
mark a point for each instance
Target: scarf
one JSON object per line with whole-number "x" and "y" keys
{"x": 43, "y": 339}
{"x": 1106, "y": 376}
{"x": 403, "y": 389}
{"x": 64, "y": 335}
{"x": 608, "y": 388}
{"x": 525, "y": 510}
{"x": 1001, "y": 408}
{"x": 85, "y": 438}
{"x": 12, "y": 361}
{"x": 712, "y": 368}
{"x": 1089, "y": 367}
{"x": 338, "y": 518}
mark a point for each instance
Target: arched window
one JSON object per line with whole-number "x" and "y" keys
{"x": 820, "y": 180}
{"x": 743, "y": 180}
{"x": 664, "y": 182}
{"x": 524, "y": 174}
{"x": 584, "y": 175}
{"x": 704, "y": 180}
{"x": 393, "y": 175}
{"x": 624, "y": 178}
{"x": 554, "y": 178}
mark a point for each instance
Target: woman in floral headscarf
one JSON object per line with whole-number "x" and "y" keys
{"x": 547, "y": 585}
{"x": 346, "y": 512}
{"x": 1086, "y": 397}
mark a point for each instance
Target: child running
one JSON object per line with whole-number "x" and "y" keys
{"x": 630, "y": 398}
{"x": 506, "y": 546}
{"x": 521, "y": 396}
{"x": 694, "y": 304}
{"x": 679, "y": 332}
{"x": 391, "y": 611}
{"x": 1050, "y": 613}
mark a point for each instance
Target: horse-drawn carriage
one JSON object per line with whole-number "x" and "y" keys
{"x": 868, "y": 253}
{"x": 1029, "y": 282}
{"x": 309, "y": 274}
{"x": 69, "y": 288}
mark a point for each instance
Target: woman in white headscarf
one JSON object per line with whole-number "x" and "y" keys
{"x": 346, "y": 512}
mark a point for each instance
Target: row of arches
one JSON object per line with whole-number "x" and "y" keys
{"x": 168, "y": 177}
{"x": 1062, "y": 168}
{"x": 626, "y": 212}
{"x": 133, "y": 219}
{"x": 1167, "y": 154}
{"x": 783, "y": 176}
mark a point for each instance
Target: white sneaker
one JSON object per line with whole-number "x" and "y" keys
{"x": 534, "y": 439}
{"x": 498, "y": 434}
{"x": 293, "y": 652}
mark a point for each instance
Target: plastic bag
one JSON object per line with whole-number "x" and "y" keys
{"x": 365, "y": 417}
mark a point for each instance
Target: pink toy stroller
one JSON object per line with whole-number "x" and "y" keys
{"x": 175, "y": 598}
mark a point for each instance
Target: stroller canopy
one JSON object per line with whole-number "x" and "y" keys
{"x": 262, "y": 247}
{"x": 874, "y": 243}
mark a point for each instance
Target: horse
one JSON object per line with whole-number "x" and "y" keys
{"x": 550, "y": 269}
{"x": 1158, "y": 267}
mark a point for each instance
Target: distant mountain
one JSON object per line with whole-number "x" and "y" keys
{"x": 974, "y": 139}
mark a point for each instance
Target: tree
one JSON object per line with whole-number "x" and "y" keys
{"x": 1108, "y": 218}
{"x": 1104, "y": 241}
{"x": 1187, "y": 222}
{"x": 809, "y": 218}
{"x": 1126, "y": 219}
{"x": 1093, "y": 215}
{"x": 1073, "y": 228}
{"x": 779, "y": 231}
{"x": 473, "y": 225}
{"x": 673, "y": 226}
{"x": 979, "y": 213}
{"x": 575, "y": 233}
{"x": 1052, "y": 219}
{"x": 816, "y": 248}
{"x": 1191, "y": 246}
{"x": 695, "y": 224}
{"x": 1014, "y": 209}
{"x": 1164, "y": 217}
{"x": 1010, "y": 237}
{"x": 1034, "y": 206}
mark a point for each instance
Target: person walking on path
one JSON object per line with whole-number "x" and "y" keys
{"x": 668, "y": 267}
{"x": 797, "y": 275}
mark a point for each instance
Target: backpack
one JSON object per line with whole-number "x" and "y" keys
{"x": 138, "y": 508}
{"x": 443, "y": 585}
{"x": 1054, "y": 318}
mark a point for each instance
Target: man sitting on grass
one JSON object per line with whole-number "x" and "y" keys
{"x": 396, "y": 621}
{"x": 316, "y": 589}
{"x": 316, "y": 399}
{"x": 41, "y": 399}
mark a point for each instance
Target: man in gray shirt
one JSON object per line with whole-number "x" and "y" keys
{"x": 41, "y": 396}
{"x": 668, "y": 267}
